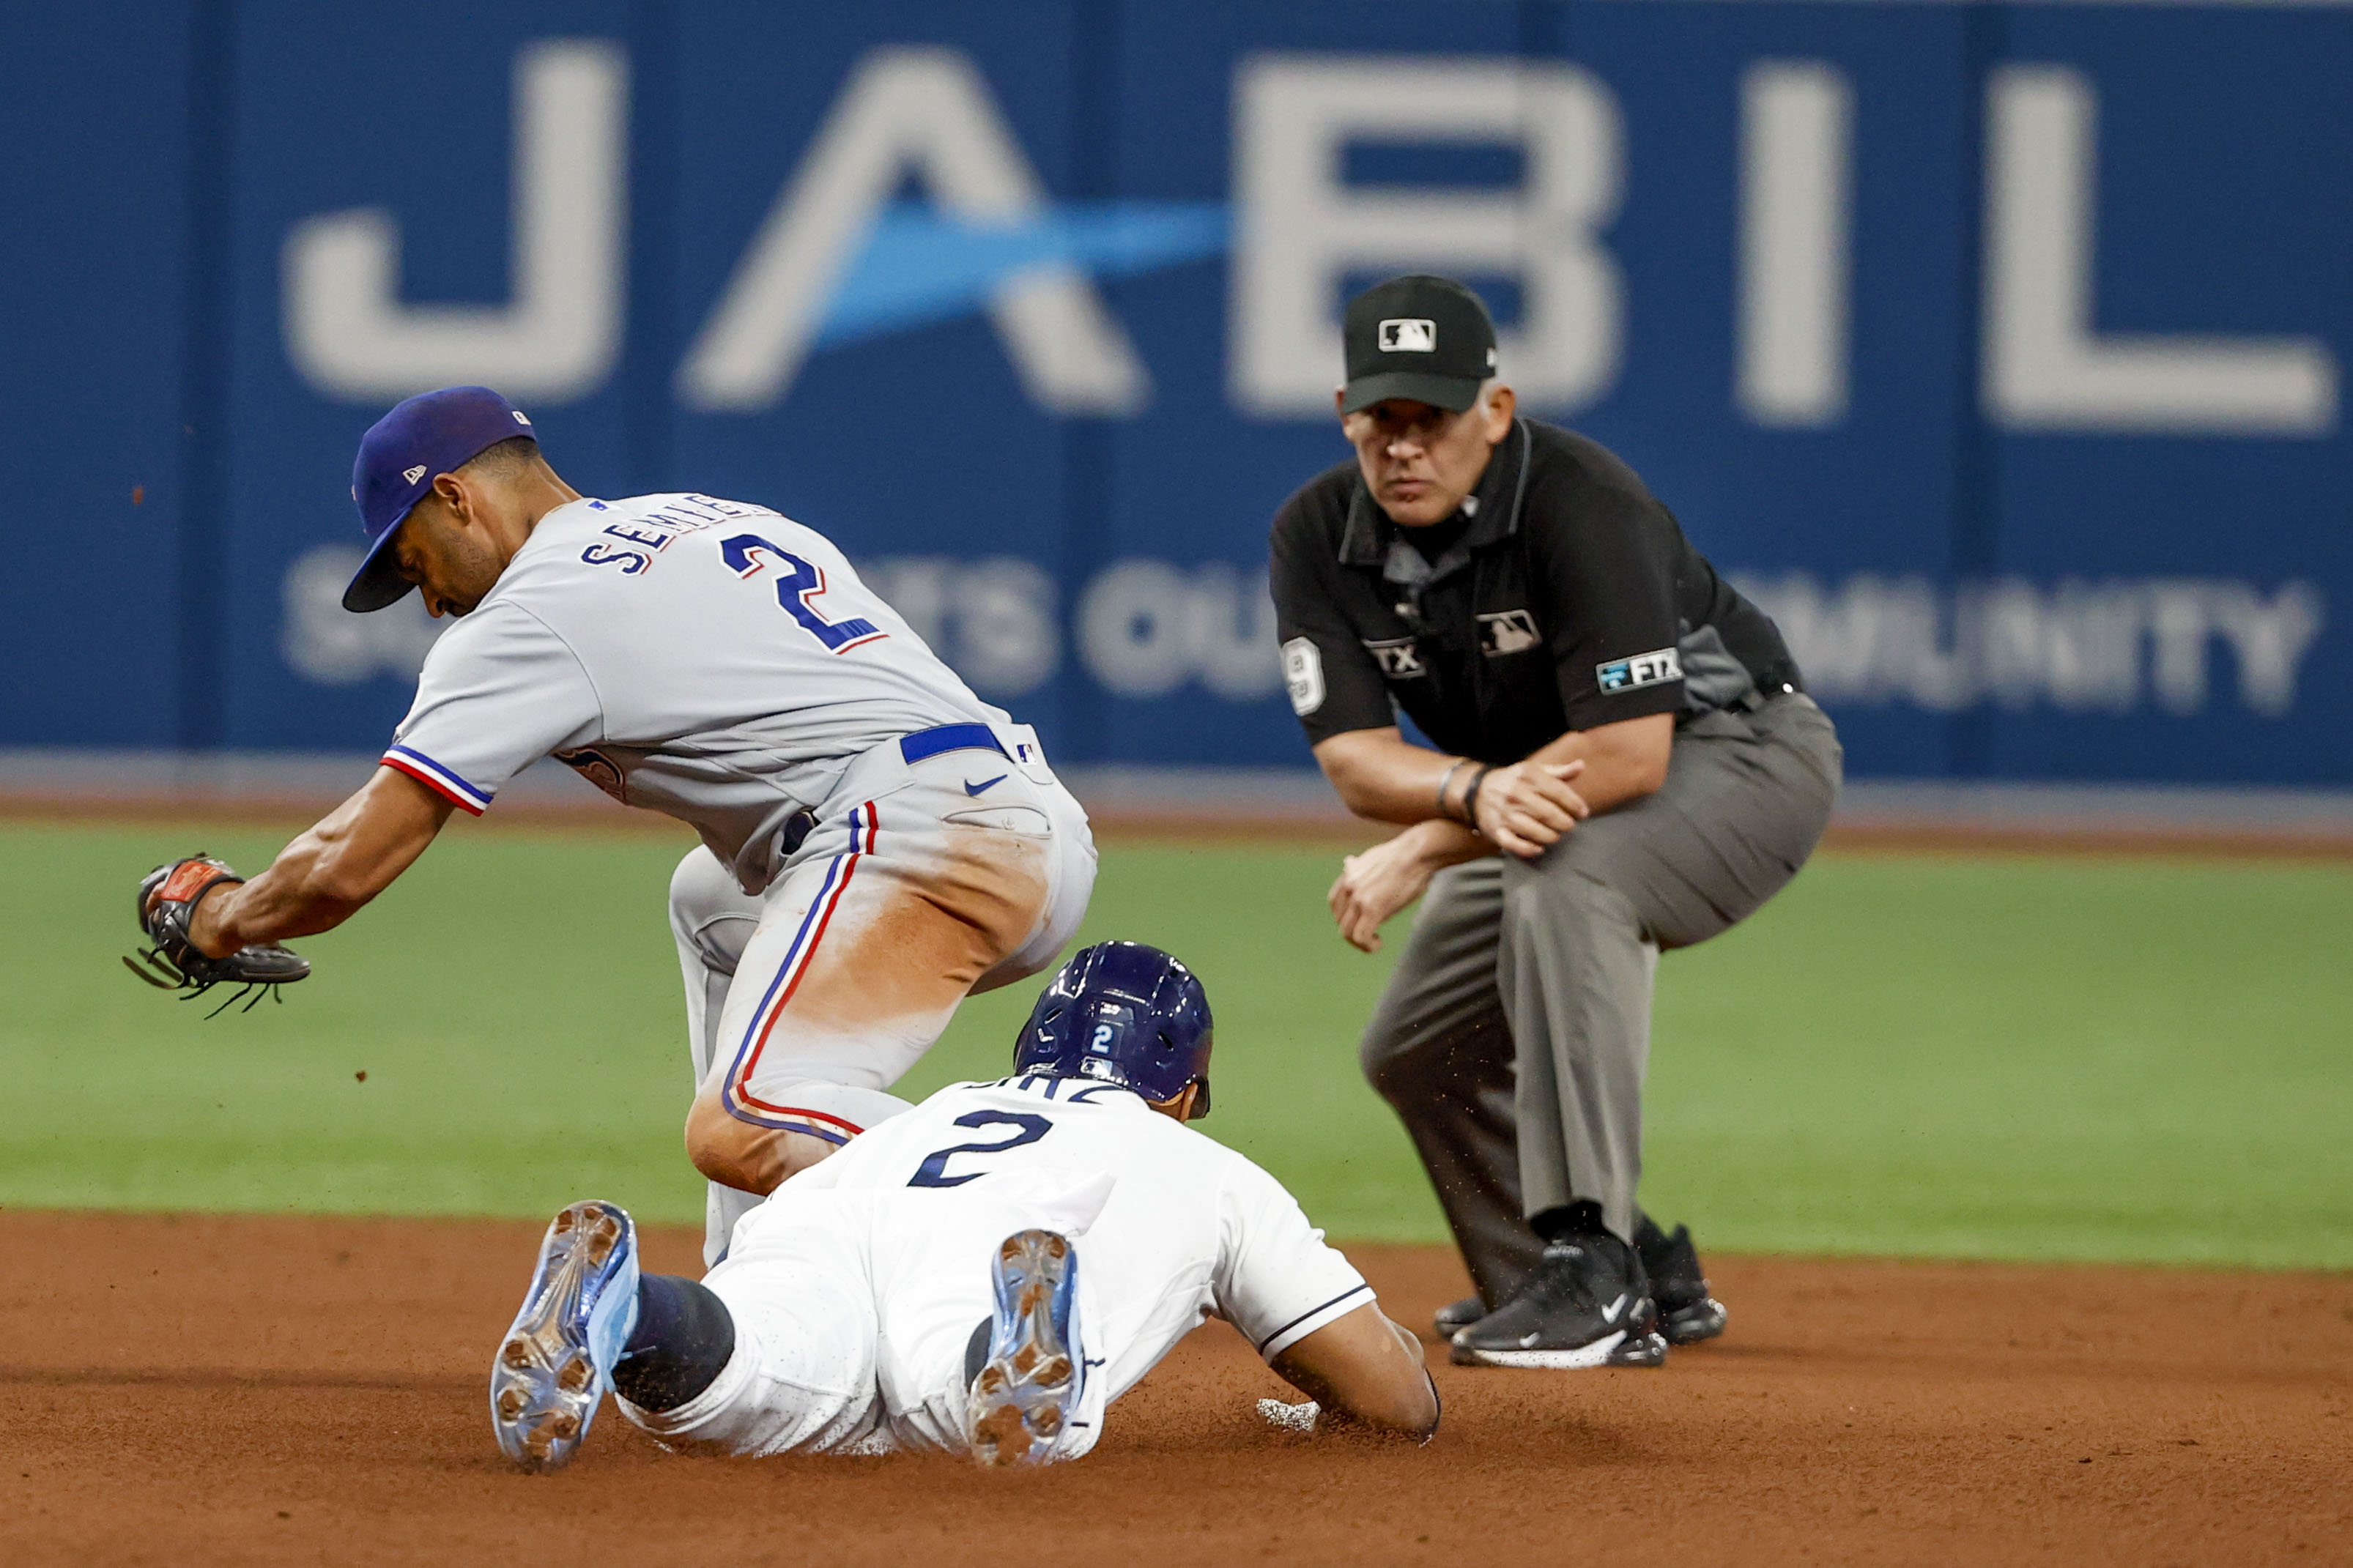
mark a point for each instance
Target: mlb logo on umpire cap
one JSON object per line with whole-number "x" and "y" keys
{"x": 1409, "y": 335}
{"x": 1425, "y": 339}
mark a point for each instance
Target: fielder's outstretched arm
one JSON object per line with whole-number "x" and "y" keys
{"x": 1364, "y": 1370}
{"x": 319, "y": 879}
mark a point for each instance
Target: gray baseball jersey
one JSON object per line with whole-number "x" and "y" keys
{"x": 706, "y": 658}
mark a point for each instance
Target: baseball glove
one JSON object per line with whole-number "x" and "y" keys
{"x": 168, "y": 897}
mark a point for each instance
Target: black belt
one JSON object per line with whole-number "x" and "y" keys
{"x": 795, "y": 832}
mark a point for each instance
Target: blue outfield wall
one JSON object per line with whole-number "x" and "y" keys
{"x": 1998, "y": 349}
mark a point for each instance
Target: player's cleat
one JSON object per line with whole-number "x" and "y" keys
{"x": 1457, "y": 1316}
{"x": 1687, "y": 1313}
{"x": 1586, "y": 1304}
{"x": 1028, "y": 1389}
{"x": 554, "y": 1366}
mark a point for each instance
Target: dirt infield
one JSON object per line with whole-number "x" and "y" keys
{"x": 290, "y": 814}
{"x": 192, "y": 1391}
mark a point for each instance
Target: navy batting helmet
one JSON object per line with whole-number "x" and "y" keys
{"x": 1122, "y": 1013}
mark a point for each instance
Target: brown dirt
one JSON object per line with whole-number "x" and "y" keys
{"x": 200, "y": 1390}
{"x": 291, "y": 816}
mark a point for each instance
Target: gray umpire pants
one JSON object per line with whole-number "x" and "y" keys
{"x": 1516, "y": 1031}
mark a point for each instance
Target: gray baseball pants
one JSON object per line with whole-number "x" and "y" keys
{"x": 1516, "y": 1031}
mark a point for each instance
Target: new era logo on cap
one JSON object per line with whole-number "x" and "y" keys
{"x": 435, "y": 432}
{"x": 1409, "y": 335}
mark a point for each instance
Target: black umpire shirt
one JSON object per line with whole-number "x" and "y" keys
{"x": 1568, "y": 598}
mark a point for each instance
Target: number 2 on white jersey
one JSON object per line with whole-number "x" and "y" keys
{"x": 801, "y": 581}
{"x": 1026, "y": 1129}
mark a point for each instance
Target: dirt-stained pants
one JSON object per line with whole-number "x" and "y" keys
{"x": 921, "y": 883}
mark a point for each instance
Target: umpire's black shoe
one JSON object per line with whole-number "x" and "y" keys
{"x": 1687, "y": 1313}
{"x": 1587, "y": 1303}
{"x": 1457, "y": 1316}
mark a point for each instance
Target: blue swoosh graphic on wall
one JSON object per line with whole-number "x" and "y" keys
{"x": 922, "y": 265}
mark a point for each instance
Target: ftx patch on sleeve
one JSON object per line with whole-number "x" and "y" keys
{"x": 1643, "y": 669}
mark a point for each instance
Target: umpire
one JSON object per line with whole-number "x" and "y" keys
{"x": 1624, "y": 762}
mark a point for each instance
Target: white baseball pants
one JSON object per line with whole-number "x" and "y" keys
{"x": 853, "y": 1310}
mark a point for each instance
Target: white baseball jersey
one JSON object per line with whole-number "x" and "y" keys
{"x": 857, "y": 1285}
{"x": 707, "y": 659}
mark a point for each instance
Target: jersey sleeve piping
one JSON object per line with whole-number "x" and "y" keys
{"x": 1315, "y": 1318}
{"x": 436, "y": 774}
{"x": 447, "y": 783}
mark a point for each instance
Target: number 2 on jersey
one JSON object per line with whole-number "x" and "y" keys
{"x": 1026, "y": 1129}
{"x": 801, "y": 581}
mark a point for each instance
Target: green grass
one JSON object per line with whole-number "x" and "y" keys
{"x": 2009, "y": 1057}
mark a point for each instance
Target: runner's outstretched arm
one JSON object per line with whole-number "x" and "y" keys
{"x": 323, "y": 877}
{"x": 1364, "y": 1370}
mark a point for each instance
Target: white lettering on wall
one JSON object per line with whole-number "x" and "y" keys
{"x": 2046, "y": 367}
{"x": 350, "y": 336}
{"x": 1135, "y": 629}
{"x": 2107, "y": 646}
{"x": 1146, "y": 628}
{"x": 1300, "y": 229}
{"x": 325, "y": 643}
{"x": 1797, "y": 201}
{"x": 926, "y": 112}
{"x": 992, "y": 620}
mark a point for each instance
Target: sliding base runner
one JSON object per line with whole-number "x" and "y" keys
{"x": 985, "y": 1275}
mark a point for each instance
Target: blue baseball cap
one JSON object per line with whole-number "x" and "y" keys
{"x": 432, "y": 433}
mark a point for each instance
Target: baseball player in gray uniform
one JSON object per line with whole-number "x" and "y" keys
{"x": 878, "y": 843}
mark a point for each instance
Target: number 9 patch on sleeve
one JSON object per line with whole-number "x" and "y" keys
{"x": 1303, "y": 675}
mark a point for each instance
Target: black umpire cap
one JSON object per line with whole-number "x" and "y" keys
{"x": 1418, "y": 337}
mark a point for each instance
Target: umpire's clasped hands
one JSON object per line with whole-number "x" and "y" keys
{"x": 1525, "y": 808}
